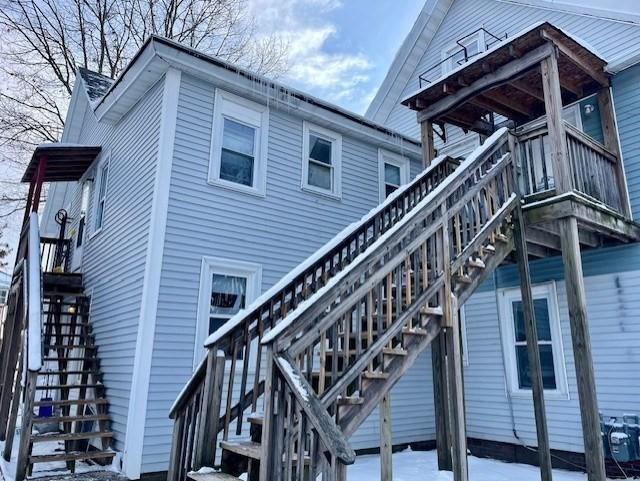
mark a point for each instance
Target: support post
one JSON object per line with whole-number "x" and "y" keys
{"x": 585, "y": 376}
{"x": 441, "y": 406}
{"x": 386, "y": 445}
{"x": 531, "y": 333}
{"x": 267, "y": 456}
{"x": 457, "y": 426}
{"x": 612, "y": 143}
{"x": 428, "y": 146}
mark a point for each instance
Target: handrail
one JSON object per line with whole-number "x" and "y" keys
{"x": 314, "y": 272}
{"x": 589, "y": 142}
{"x": 34, "y": 292}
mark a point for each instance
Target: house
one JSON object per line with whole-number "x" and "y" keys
{"x": 5, "y": 279}
{"x": 225, "y": 242}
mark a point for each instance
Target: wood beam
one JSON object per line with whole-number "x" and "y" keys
{"x": 440, "y": 402}
{"x": 531, "y": 335}
{"x": 543, "y": 238}
{"x": 612, "y": 143}
{"x": 386, "y": 445}
{"x": 504, "y": 100}
{"x": 428, "y": 146}
{"x": 493, "y": 79}
{"x": 480, "y": 126}
{"x": 553, "y": 108}
{"x": 589, "y": 239}
{"x": 567, "y": 51}
{"x": 576, "y": 298}
{"x": 531, "y": 90}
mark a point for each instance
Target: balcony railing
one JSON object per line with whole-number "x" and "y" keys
{"x": 593, "y": 167}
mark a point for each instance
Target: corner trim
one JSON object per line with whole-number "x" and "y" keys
{"x": 137, "y": 413}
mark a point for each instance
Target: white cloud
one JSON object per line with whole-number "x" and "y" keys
{"x": 332, "y": 75}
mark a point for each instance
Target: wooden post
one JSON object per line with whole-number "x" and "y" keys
{"x": 13, "y": 414}
{"x": 267, "y": 457}
{"x": 581, "y": 341}
{"x": 428, "y": 147}
{"x": 441, "y": 406}
{"x": 386, "y": 446}
{"x": 612, "y": 143}
{"x": 531, "y": 333}
{"x": 553, "y": 107}
{"x": 25, "y": 433}
{"x": 456, "y": 396}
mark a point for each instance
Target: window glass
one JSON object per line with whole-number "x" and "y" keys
{"x": 320, "y": 165}
{"x": 3, "y": 296}
{"x": 546, "y": 362}
{"x": 228, "y": 296}
{"x": 320, "y": 149}
{"x": 102, "y": 192}
{"x": 237, "y": 157}
{"x": 392, "y": 174}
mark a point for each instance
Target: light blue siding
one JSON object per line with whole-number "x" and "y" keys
{"x": 276, "y": 231}
{"x": 114, "y": 258}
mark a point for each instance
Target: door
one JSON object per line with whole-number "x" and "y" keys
{"x": 78, "y": 247}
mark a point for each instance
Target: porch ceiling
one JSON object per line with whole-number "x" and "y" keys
{"x": 65, "y": 162}
{"x": 506, "y": 80}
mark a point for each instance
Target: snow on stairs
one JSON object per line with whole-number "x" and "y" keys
{"x": 70, "y": 404}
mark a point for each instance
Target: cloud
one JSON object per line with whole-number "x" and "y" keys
{"x": 336, "y": 76}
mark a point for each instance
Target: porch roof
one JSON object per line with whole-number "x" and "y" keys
{"x": 506, "y": 79}
{"x": 65, "y": 162}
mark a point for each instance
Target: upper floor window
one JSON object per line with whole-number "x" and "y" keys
{"x": 393, "y": 172}
{"x": 454, "y": 55}
{"x": 4, "y": 294}
{"x": 239, "y": 146}
{"x": 101, "y": 195}
{"x": 549, "y": 341}
{"x": 322, "y": 160}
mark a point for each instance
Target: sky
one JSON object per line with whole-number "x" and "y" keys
{"x": 340, "y": 50}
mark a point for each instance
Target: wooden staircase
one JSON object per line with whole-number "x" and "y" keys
{"x": 62, "y": 403}
{"x": 302, "y": 369}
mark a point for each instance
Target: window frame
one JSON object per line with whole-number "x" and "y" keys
{"x": 99, "y": 200}
{"x": 336, "y": 160}
{"x": 463, "y": 335}
{"x": 506, "y": 298}
{"x": 4, "y": 296}
{"x": 387, "y": 157}
{"x": 447, "y": 63}
{"x": 246, "y": 112}
{"x": 218, "y": 265}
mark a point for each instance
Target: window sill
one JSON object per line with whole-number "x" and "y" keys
{"x": 237, "y": 187}
{"x": 321, "y": 192}
{"x": 94, "y": 233}
{"x": 548, "y": 395}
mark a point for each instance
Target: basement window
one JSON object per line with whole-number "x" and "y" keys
{"x": 239, "y": 147}
{"x": 321, "y": 161}
{"x": 549, "y": 342}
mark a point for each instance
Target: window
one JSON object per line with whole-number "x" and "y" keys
{"x": 226, "y": 287}
{"x": 454, "y": 55}
{"x": 239, "y": 146}
{"x": 3, "y": 296}
{"x": 321, "y": 161}
{"x": 549, "y": 341}
{"x": 101, "y": 198}
{"x": 393, "y": 172}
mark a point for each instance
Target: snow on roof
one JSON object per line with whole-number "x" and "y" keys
{"x": 95, "y": 83}
{"x": 498, "y": 45}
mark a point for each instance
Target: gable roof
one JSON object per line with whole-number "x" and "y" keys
{"x": 427, "y": 24}
{"x": 96, "y": 84}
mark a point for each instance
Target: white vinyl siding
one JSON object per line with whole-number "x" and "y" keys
{"x": 321, "y": 160}
{"x": 239, "y": 148}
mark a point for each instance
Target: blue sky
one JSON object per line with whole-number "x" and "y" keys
{"x": 339, "y": 50}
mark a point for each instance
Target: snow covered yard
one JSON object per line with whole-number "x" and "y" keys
{"x": 411, "y": 465}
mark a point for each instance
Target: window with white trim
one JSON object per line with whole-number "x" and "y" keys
{"x": 454, "y": 55}
{"x": 226, "y": 287}
{"x": 393, "y": 172}
{"x": 549, "y": 341}
{"x": 101, "y": 194}
{"x": 239, "y": 146}
{"x": 321, "y": 160}
{"x": 4, "y": 294}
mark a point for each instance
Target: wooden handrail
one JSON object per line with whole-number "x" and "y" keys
{"x": 590, "y": 142}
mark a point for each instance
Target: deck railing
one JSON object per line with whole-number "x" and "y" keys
{"x": 210, "y": 403}
{"x": 593, "y": 168}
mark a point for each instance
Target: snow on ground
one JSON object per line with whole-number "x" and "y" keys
{"x": 412, "y": 465}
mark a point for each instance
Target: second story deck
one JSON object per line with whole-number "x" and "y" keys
{"x": 524, "y": 82}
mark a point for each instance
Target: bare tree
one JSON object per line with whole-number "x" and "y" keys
{"x": 45, "y": 41}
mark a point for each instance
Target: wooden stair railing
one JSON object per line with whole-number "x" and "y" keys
{"x": 352, "y": 340}
{"x": 239, "y": 339}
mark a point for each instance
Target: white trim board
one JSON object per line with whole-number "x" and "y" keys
{"x": 137, "y": 412}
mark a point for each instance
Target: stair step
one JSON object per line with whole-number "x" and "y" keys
{"x": 40, "y": 438}
{"x": 375, "y": 375}
{"x": 490, "y": 248}
{"x": 74, "y": 456}
{"x": 64, "y": 358}
{"x": 389, "y": 351}
{"x": 213, "y": 476}
{"x": 431, "y": 311}
{"x": 69, "y": 419}
{"x": 349, "y": 400}
{"x": 476, "y": 263}
{"x": 67, "y": 324}
{"x": 71, "y": 402}
{"x": 501, "y": 237}
{"x": 246, "y": 448}
{"x": 463, "y": 278}
{"x": 68, "y": 373}
{"x": 71, "y": 346}
{"x": 414, "y": 331}
{"x": 256, "y": 418}
{"x": 69, "y": 386}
